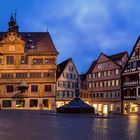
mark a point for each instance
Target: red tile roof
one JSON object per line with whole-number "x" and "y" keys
{"x": 92, "y": 66}
{"x": 114, "y": 57}
{"x": 40, "y": 41}
{"x": 118, "y": 56}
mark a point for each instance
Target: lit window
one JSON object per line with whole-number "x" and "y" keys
{"x": 113, "y": 83}
{"x": 104, "y": 73}
{"x": 99, "y": 74}
{"x": 117, "y": 71}
{"x": 101, "y": 84}
{"x": 109, "y": 73}
{"x": 89, "y": 85}
{"x": 93, "y": 75}
{"x": 117, "y": 82}
{"x": 109, "y": 83}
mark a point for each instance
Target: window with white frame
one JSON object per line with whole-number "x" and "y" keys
{"x": 117, "y": 82}
{"x": 99, "y": 74}
{"x": 89, "y": 85}
{"x": 109, "y": 83}
{"x": 117, "y": 71}
{"x": 113, "y": 82}
{"x": 108, "y": 73}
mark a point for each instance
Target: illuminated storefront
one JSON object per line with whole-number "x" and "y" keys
{"x": 130, "y": 108}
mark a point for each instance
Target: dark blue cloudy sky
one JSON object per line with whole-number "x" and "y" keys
{"x": 80, "y": 29}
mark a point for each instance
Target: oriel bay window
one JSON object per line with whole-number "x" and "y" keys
{"x": 34, "y": 88}
{"x": 9, "y": 60}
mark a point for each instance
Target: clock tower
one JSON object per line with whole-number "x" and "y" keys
{"x": 12, "y": 43}
{"x": 13, "y": 27}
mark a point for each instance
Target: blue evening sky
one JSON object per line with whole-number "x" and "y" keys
{"x": 80, "y": 29}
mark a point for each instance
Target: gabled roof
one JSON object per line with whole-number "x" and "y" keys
{"x": 114, "y": 58}
{"x": 135, "y": 45}
{"x": 61, "y": 67}
{"x": 92, "y": 66}
{"x": 118, "y": 56}
{"x": 41, "y": 41}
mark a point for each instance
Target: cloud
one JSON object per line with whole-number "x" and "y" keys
{"x": 83, "y": 28}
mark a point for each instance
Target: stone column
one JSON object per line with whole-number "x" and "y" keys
{"x": 27, "y": 103}
{"x": 13, "y": 104}
{"x": 52, "y": 104}
{"x": 40, "y": 103}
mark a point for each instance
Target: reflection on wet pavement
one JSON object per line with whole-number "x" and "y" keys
{"x": 32, "y": 125}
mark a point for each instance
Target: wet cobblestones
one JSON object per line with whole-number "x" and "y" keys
{"x": 36, "y": 125}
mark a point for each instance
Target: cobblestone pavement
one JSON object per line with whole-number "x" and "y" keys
{"x": 38, "y": 125}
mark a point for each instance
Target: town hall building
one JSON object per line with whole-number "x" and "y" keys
{"x": 27, "y": 69}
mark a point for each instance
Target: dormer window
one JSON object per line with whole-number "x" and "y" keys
{"x": 49, "y": 61}
{"x": 30, "y": 41}
{"x": 24, "y": 60}
{"x": 38, "y": 61}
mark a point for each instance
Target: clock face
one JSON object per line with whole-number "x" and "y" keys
{"x": 12, "y": 37}
{"x": 12, "y": 48}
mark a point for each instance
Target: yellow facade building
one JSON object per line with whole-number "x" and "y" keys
{"x": 27, "y": 59}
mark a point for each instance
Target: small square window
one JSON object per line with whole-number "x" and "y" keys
{"x": 48, "y": 88}
{"x": 34, "y": 88}
{"x": 10, "y": 60}
{"x": 10, "y": 88}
